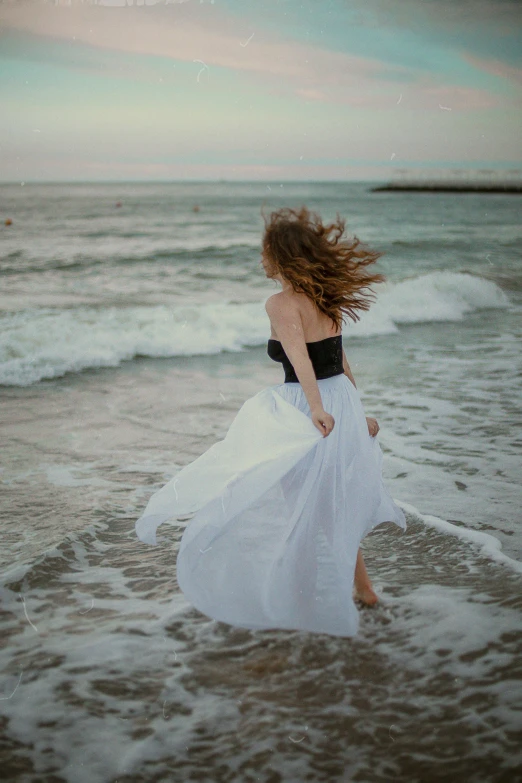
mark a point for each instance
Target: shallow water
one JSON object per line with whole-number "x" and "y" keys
{"x": 100, "y": 643}
{"x": 425, "y": 692}
{"x": 117, "y": 376}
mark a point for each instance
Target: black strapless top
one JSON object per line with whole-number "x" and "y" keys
{"x": 326, "y": 357}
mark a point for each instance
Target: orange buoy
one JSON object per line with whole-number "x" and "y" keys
{"x": 118, "y": 203}
{"x": 8, "y": 222}
{"x": 195, "y": 208}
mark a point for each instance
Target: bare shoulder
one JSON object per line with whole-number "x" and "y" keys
{"x": 281, "y": 303}
{"x": 271, "y": 303}
{"x": 285, "y": 317}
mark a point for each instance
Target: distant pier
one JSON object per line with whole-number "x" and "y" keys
{"x": 459, "y": 181}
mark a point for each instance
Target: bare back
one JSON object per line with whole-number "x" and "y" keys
{"x": 316, "y": 325}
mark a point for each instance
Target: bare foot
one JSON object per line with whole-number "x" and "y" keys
{"x": 366, "y": 596}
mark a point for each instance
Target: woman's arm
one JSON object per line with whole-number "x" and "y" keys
{"x": 286, "y": 320}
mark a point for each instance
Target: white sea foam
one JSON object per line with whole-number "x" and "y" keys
{"x": 115, "y": 655}
{"x": 437, "y": 296}
{"x": 488, "y": 545}
{"x": 46, "y": 343}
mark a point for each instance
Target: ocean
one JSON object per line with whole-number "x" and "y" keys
{"x": 132, "y": 328}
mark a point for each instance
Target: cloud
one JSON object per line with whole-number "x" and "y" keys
{"x": 181, "y": 33}
{"x": 486, "y": 29}
{"x": 105, "y": 40}
{"x": 495, "y": 67}
{"x": 499, "y": 15}
{"x": 191, "y": 33}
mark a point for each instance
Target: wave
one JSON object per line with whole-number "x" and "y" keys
{"x": 219, "y": 251}
{"x": 37, "y": 344}
{"x": 489, "y": 546}
{"x": 436, "y": 296}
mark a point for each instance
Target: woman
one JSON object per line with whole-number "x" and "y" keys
{"x": 283, "y": 502}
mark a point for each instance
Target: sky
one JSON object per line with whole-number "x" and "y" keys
{"x": 126, "y": 90}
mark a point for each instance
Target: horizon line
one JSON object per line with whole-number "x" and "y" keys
{"x": 21, "y": 183}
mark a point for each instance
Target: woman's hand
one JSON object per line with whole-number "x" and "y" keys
{"x": 373, "y": 427}
{"x": 323, "y": 421}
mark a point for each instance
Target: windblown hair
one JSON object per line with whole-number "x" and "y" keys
{"x": 315, "y": 262}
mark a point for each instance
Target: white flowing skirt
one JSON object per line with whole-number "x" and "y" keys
{"x": 280, "y": 513}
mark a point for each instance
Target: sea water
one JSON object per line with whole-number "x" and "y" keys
{"x": 132, "y": 327}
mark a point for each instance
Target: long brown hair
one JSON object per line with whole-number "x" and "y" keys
{"x": 315, "y": 262}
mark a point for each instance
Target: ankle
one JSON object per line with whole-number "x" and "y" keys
{"x": 362, "y": 586}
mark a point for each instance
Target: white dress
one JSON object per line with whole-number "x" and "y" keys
{"x": 280, "y": 512}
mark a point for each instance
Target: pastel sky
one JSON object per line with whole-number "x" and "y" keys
{"x": 257, "y": 89}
